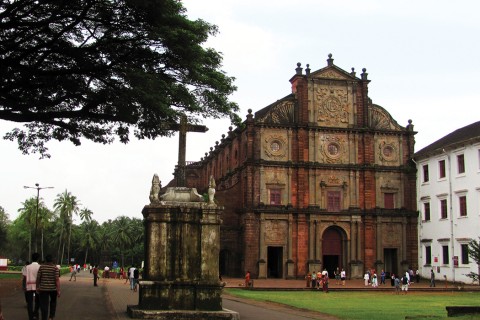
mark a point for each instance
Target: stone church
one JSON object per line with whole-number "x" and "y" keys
{"x": 322, "y": 178}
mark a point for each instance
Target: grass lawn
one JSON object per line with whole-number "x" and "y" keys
{"x": 10, "y": 276}
{"x": 370, "y": 305}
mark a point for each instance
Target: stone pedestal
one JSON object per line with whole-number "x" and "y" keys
{"x": 356, "y": 270}
{"x": 181, "y": 273}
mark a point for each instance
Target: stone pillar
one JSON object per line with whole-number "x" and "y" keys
{"x": 182, "y": 247}
{"x": 262, "y": 264}
{"x": 290, "y": 264}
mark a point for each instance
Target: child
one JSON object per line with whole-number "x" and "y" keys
{"x": 397, "y": 285}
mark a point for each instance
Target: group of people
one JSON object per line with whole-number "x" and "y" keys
{"x": 41, "y": 283}
{"x": 319, "y": 280}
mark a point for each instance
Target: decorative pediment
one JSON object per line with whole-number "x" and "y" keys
{"x": 280, "y": 113}
{"x": 381, "y": 119}
{"x": 331, "y": 73}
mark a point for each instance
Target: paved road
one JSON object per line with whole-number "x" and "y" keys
{"x": 81, "y": 300}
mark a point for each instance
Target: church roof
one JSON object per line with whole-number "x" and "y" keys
{"x": 466, "y": 135}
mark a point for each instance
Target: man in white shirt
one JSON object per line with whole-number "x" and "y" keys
{"x": 131, "y": 275}
{"x": 30, "y": 274}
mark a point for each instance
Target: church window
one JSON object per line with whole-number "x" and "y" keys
{"x": 388, "y": 199}
{"x": 333, "y": 201}
{"x": 333, "y": 149}
{"x": 275, "y": 146}
{"x": 388, "y": 151}
{"x": 275, "y": 196}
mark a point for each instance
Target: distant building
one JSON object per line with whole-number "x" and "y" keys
{"x": 449, "y": 203}
{"x": 320, "y": 179}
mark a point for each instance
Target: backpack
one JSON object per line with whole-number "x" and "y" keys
{"x": 404, "y": 280}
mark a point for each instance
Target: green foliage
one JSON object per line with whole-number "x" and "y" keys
{"x": 474, "y": 253}
{"x": 95, "y": 69}
{"x": 90, "y": 242}
{"x": 368, "y": 305}
{"x": 3, "y": 227}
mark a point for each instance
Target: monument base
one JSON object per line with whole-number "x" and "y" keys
{"x": 225, "y": 314}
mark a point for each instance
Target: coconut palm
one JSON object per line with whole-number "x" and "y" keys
{"x": 67, "y": 205}
{"x": 122, "y": 234}
{"x": 44, "y": 219}
{"x": 86, "y": 215}
{"x": 89, "y": 236}
{"x": 28, "y": 213}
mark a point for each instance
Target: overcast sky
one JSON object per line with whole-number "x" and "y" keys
{"x": 422, "y": 57}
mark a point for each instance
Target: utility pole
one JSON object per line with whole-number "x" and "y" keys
{"x": 37, "y": 186}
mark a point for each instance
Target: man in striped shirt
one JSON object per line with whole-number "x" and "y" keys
{"x": 48, "y": 287}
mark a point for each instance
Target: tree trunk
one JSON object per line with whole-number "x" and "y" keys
{"x": 86, "y": 254}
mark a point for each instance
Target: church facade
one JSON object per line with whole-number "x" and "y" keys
{"x": 320, "y": 179}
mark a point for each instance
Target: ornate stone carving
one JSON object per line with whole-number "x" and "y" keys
{"x": 332, "y": 105}
{"x": 211, "y": 190}
{"x": 280, "y": 113}
{"x": 181, "y": 194}
{"x": 332, "y": 148}
{"x": 276, "y": 231}
{"x": 330, "y": 74}
{"x": 275, "y": 147}
{"x": 155, "y": 189}
{"x": 388, "y": 152}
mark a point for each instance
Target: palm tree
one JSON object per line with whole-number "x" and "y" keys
{"x": 89, "y": 236}
{"x": 86, "y": 214}
{"x": 122, "y": 234}
{"x": 45, "y": 217}
{"x": 28, "y": 212}
{"x": 66, "y": 204}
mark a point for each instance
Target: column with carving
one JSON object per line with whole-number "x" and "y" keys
{"x": 262, "y": 262}
{"x": 290, "y": 262}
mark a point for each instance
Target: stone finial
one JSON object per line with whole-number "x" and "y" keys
{"x": 364, "y": 74}
{"x": 307, "y": 70}
{"x": 329, "y": 60}
{"x": 211, "y": 190}
{"x": 299, "y": 69}
{"x": 155, "y": 189}
{"x": 353, "y": 73}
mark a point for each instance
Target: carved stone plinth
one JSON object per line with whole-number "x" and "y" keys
{"x": 181, "y": 273}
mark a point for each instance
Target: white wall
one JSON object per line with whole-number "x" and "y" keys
{"x": 451, "y": 232}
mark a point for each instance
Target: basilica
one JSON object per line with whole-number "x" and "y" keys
{"x": 322, "y": 178}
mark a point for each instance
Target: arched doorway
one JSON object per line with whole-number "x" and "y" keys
{"x": 333, "y": 250}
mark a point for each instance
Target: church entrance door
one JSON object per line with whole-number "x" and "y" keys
{"x": 391, "y": 261}
{"x": 332, "y": 250}
{"x": 274, "y": 262}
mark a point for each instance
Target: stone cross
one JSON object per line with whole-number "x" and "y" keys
{"x": 183, "y": 127}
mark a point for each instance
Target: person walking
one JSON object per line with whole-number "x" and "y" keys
{"x": 343, "y": 276}
{"x": 432, "y": 278}
{"x": 366, "y": 278}
{"x": 382, "y": 277}
{"x": 131, "y": 275}
{"x": 397, "y": 284}
{"x": 95, "y": 276}
{"x": 30, "y": 275}
{"x": 136, "y": 276}
{"x": 405, "y": 282}
{"x": 314, "y": 279}
{"x": 247, "y": 279}
{"x": 48, "y": 287}
{"x": 73, "y": 274}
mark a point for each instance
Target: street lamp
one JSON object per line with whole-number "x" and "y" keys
{"x": 37, "y": 186}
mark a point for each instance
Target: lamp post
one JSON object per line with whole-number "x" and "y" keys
{"x": 37, "y": 186}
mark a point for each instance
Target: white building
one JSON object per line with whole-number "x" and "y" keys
{"x": 448, "y": 183}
